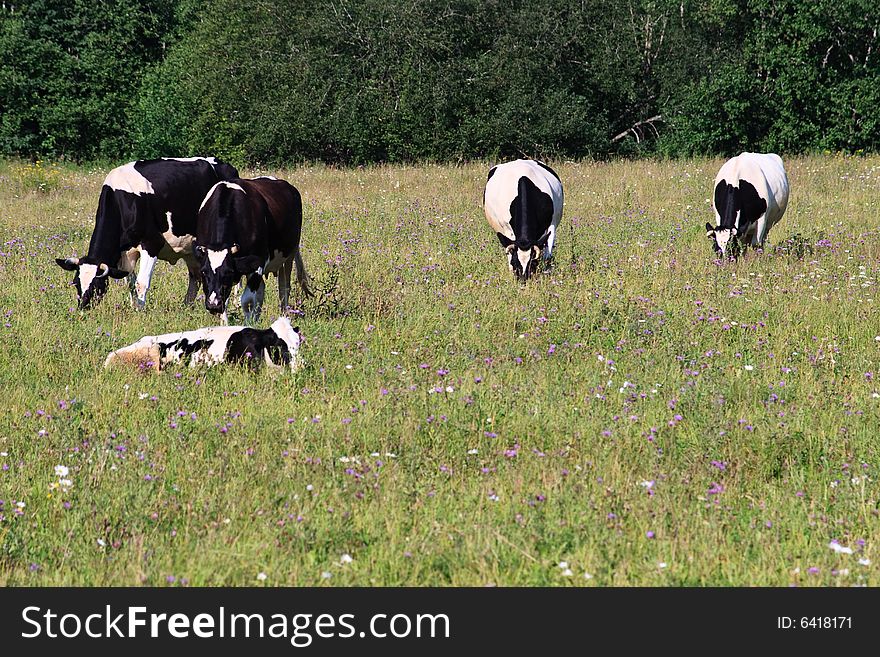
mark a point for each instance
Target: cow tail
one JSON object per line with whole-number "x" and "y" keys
{"x": 302, "y": 277}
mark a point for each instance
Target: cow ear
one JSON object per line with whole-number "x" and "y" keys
{"x": 505, "y": 241}
{"x": 247, "y": 264}
{"x": 709, "y": 229}
{"x": 70, "y": 264}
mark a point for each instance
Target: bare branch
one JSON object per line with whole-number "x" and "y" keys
{"x": 637, "y": 129}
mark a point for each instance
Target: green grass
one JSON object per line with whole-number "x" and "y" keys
{"x": 568, "y": 389}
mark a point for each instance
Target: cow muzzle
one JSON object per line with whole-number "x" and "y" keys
{"x": 214, "y": 303}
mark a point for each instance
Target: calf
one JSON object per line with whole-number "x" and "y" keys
{"x": 146, "y": 212}
{"x": 523, "y": 204}
{"x": 276, "y": 347}
{"x": 751, "y": 194}
{"x": 249, "y": 228}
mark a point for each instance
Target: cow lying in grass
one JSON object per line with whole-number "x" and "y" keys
{"x": 276, "y": 347}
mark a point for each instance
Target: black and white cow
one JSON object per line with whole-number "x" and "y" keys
{"x": 751, "y": 194}
{"x": 276, "y": 347}
{"x": 523, "y": 204}
{"x": 249, "y": 228}
{"x": 146, "y": 212}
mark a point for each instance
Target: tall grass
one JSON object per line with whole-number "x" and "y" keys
{"x": 639, "y": 415}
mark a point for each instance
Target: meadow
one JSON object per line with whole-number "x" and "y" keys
{"x": 640, "y": 414}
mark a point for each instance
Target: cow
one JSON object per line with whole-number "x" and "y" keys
{"x": 146, "y": 212}
{"x": 276, "y": 347}
{"x": 751, "y": 194}
{"x": 249, "y": 228}
{"x": 522, "y": 201}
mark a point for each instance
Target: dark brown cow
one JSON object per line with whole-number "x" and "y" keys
{"x": 249, "y": 228}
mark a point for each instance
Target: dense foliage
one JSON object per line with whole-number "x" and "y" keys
{"x": 397, "y": 80}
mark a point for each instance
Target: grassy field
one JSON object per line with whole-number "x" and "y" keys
{"x": 639, "y": 415}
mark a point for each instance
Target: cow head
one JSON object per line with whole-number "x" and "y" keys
{"x": 90, "y": 279}
{"x": 725, "y": 241}
{"x": 225, "y": 171}
{"x": 523, "y": 257}
{"x": 221, "y": 270}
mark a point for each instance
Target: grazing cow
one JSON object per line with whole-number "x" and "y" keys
{"x": 249, "y": 228}
{"x": 146, "y": 212}
{"x": 523, "y": 204}
{"x": 751, "y": 194}
{"x": 276, "y": 346}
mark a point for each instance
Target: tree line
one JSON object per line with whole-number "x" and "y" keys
{"x": 357, "y": 81}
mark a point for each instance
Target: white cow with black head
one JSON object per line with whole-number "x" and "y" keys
{"x": 751, "y": 194}
{"x": 523, "y": 204}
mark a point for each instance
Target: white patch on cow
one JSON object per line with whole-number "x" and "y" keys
{"x": 265, "y": 178}
{"x": 285, "y": 331}
{"x": 87, "y": 274}
{"x": 524, "y": 257}
{"x": 127, "y": 179}
{"x": 177, "y": 243}
{"x": 208, "y": 196}
{"x": 548, "y": 250}
{"x": 723, "y": 238}
{"x": 213, "y": 297}
{"x": 209, "y": 160}
{"x": 145, "y": 275}
{"x": 214, "y": 188}
{"x": 216, "y": 258}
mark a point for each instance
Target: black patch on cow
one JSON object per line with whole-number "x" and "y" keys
{"x": 531, "y": 214}
{"x": 545, "y": 167}
{"x": 743, "y": 199}
{"x": 185, "y": 346}
{"x": 504, "y": 239}
{"x": 248, "y": 346}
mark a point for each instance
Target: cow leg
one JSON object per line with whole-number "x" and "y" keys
{"x": 252, "y": 298}
{"x": 548, "y": 249}
{"x": 145, "y": 275}
{"x": 284, "y": 284}
{"x": 194, "y": 279}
